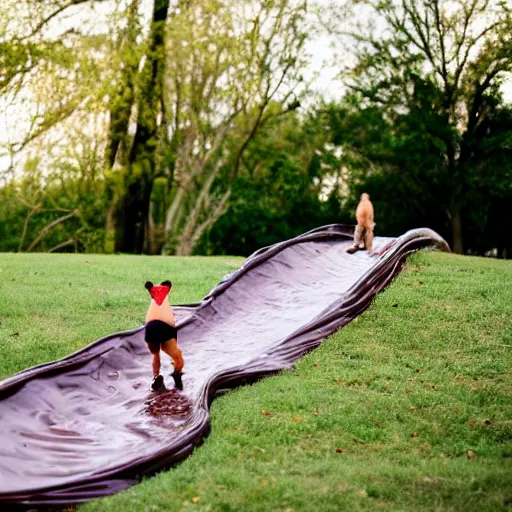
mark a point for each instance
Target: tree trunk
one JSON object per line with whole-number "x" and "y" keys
{"x": 149, "y": 243}
{"x": 133, "y": 207}
{"x": 172, "y": 217}
{"x": 457, "y": 246}
{"x": 193, "y": 228}
{"x": 185, "y": 248}
{"x": 111, "y": 235}
{"x": 218, "y": 212}
{"x": 122, "y": 101}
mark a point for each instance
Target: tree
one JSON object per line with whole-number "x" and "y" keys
{"x": 56, "y": 69}
{"x": 70, "y": 65}
{"x": 137, "y": 156}
{"x": 435, "y": 66}
{"x": 179, "y": 100}
{"x": 231, "y": 68}
{"x": 279, "y": 191}
{"x": 210, "y": 69}
{"x": 48, "y": 72}
{"x": 59, "y": 205}
{"x": 489, "y": 217}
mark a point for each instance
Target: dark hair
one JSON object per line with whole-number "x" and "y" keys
{"x": 166, "y": 283}
{"x": 148, "y": 285}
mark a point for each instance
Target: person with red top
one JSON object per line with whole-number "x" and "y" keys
{"x": 161, "y": 333}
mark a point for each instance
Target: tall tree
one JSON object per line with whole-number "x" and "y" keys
{"x": 190, "y": 125}
{"x": 286, "y": 186}
{"x": 138, "y": 156}
{"x": 231, "y": 67}
{"x": 48, "y": 71}
{"x": 54, "y": 75}
{"x": 69, "y": 63}
{"x": 449, "y": 55}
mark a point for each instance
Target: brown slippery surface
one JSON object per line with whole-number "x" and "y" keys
{"x": 88, "y": 425}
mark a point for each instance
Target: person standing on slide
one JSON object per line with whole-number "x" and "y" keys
{"x": 160, "y": 333}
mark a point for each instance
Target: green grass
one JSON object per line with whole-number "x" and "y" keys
{"x": 51, "y": 305}
{"x": 381, "y": 417}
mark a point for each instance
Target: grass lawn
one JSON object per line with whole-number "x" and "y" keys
{"x": 53, "y": 304}
{"x": 408, "y": 407}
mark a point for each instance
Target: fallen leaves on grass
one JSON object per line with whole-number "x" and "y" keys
{"x": 474, "y": 423}
{"x": 195, "y": 499}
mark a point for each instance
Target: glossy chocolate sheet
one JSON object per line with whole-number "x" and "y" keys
{"x": 88, "y": 425}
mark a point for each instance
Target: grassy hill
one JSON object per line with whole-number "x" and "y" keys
{"x": 408, "y": 407}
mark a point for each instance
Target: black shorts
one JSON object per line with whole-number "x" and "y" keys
{"x": 158, "y": 332}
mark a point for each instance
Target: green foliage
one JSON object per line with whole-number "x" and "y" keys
{"x": 231, "y": 71}
{"x": 70, "y": 189}
{"x": 277, "y": 195}
{"x": 12, "y": 216}
{"x": 401, "y": 164}
{"x": 150, "y": 123}
{"x": 430, "y": 77}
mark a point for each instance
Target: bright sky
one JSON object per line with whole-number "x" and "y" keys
{"x": 15, "y": 119}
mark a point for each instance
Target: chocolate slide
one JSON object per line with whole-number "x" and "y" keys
{"x": 88, "y": 425}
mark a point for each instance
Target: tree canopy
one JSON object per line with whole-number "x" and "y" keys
{"x": 430, "y": 70}
{"x": 188, "y": 126}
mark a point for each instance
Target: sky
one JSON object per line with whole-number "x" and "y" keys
{"x": 322, "y": 70}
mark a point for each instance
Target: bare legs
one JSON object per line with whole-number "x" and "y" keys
{"x": 362, "y": 234}
{"x": 156, "y": 364}
{"x": 368, "y": 239}
{"x": 170, "y": 347}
